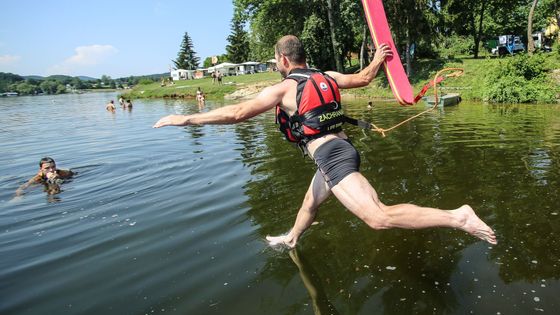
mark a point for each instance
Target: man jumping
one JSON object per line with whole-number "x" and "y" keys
{"x": 309, "y": 112}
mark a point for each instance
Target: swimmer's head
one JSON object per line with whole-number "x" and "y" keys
{"x": 46, "y": 160}
{"x": 47, "y": 165}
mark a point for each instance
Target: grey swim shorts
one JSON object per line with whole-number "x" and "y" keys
{"x": 337, "y": 159}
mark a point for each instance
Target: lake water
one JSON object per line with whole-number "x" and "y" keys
{"x": 173, "y": 220}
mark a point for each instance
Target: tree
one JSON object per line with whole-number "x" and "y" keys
{"x": 546, "y": 12}
{"x": 208, "y": 61}
{"x": 106, "y": 80}
{"x": 24, "y": 88}
{"x": 60, "y": 89}
{"x": 480, "y": 18}
{"x": 413, "y": 23}
{"x": 78, "y": 84}
{"x": 269, "y": 20}
{"x": 467, "y": 18}
{"x": 49, "y": 86}
{"x": 315, "y": 37}
{"x": 335, "y": 45}
{"x": 351, "y": 32}
{"x": 186, "y": 58}
{"x": 238, "y": 48}
{"x": 6, "y": 79}
{"x": 530, "y": 41}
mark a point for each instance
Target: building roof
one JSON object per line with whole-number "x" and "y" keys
{"x": 251, "y": 63}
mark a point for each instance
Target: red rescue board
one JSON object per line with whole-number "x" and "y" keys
{"x": 381, "y": 34}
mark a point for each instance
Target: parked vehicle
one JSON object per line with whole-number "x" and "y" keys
{"x": 541, "y": 42}
{"x": 508, "y": 44}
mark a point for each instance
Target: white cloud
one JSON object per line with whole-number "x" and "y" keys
{"x": 9, "y": 60}
{"x": 85, "y": 57}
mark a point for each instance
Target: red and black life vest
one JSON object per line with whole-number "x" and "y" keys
{"x": 318, "y": 112}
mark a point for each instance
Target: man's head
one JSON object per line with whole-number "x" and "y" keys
{"x": 47, "y": 165}
{"x": 289, "y": 54}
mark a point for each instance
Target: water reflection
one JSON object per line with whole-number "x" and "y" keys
{"x": 312, "y": 282}
{"x": 476, "y": 155}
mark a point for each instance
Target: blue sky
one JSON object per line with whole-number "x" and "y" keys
{"x": 115, "y": 38}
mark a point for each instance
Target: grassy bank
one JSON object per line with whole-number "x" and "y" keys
{"x": 493, "y": 79}
{"x": 187, "y": 88}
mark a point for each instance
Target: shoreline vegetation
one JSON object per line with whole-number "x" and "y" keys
{"x": 512, "y": 79}
{"x": 518, "y": 79}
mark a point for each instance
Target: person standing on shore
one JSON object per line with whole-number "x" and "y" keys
{"x": 219, "y": 77}
{"x": 319, "y": 133}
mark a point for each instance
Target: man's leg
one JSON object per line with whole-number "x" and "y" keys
{"x": 318, "y": 192}
{"x": 356, "y": 194}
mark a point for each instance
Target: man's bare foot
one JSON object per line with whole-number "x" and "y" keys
{"x": 284, "y": 240}
{"x": 475, "y": 226}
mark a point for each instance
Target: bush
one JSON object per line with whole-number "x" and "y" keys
{"x": 520, "y": 79}
{"x": 145, "y": 81}
{"x": 455, "y": 45}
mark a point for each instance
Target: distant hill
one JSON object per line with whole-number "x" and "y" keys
{"x": 33, "y": 77}
{"x": 156, "y": 76}
{"x": 58, "y": 77}
{"x": 86, "y": 78}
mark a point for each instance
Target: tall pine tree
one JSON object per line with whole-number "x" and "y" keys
{"x": 186, "y": 58}
{"x": 238, "y": 48}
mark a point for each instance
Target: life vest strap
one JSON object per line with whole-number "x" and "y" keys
{"x": 316, "y": 112}
{"x": 360, "y": 123}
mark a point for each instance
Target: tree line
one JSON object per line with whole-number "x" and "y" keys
{"x": 333, "y": 29}
{"x": 59, "y": 84}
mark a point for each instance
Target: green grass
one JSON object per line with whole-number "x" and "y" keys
{"x": 187, "y": 88}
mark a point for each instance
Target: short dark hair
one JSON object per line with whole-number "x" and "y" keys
{"x": 291, "y": 47}
{"x": 45, "y": 160}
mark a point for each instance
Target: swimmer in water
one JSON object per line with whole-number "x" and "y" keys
{"x": 110, "y": 106}
{"x": 48, "y": 174}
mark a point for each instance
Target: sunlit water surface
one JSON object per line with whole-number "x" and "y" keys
{"x": 173, "y": 220}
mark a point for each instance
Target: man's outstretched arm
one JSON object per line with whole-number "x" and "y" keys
{"x": 33, "y": 180}
{"x": 231, "y": 114}
{"x": 364, "y": 77}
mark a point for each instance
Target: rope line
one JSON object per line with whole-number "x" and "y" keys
{"x": 458, "y": 72}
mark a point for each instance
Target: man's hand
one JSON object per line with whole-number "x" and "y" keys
{"x": 51, "y": 176}
{"x": 381, "y": 53}
{"x": 171, "y": 120}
